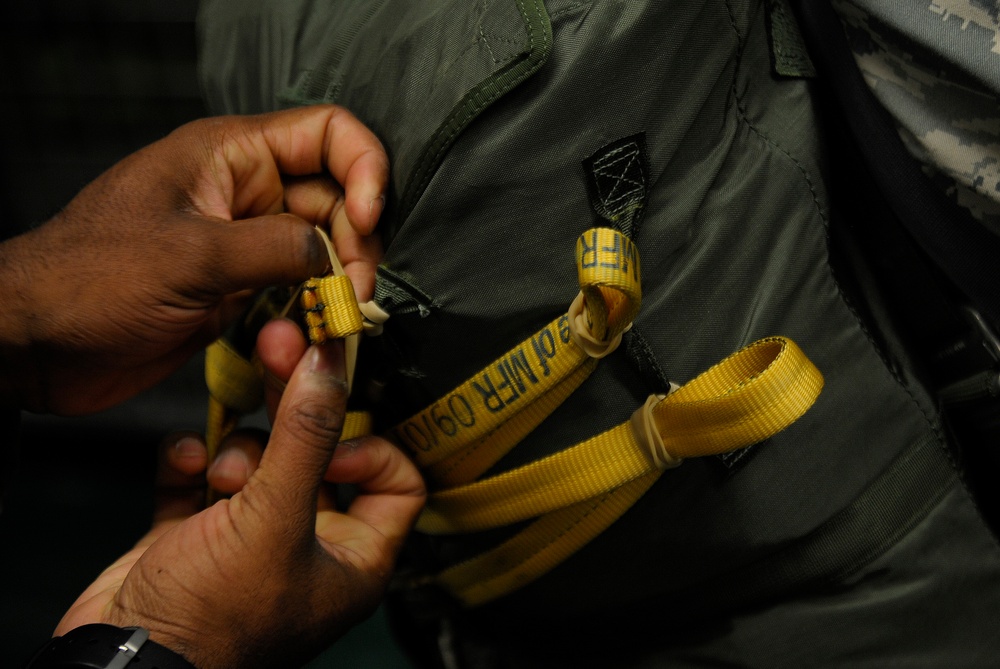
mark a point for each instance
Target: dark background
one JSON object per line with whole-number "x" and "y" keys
{"x": 82, "y": 84}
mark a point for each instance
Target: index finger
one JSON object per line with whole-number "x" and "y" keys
{"x": 391, "y": 492}
{"x": 308, "y": 140}
{"x": 390, "y": 496}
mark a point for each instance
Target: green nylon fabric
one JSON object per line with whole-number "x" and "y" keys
{"x": 734, "y": 246}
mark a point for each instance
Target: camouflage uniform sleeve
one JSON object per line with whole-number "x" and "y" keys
{"x": 935, "y": 65}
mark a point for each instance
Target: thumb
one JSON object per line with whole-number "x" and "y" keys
{"x": 278, "y": 249}
{"x": 306, "y": 430}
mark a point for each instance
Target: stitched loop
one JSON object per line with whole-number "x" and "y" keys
{"x": 580, "y": 331}
{"x": 330, "y": 308}
{"x": 647, "y": 435}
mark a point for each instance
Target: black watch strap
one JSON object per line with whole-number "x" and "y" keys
{"x": 106, "y": 647}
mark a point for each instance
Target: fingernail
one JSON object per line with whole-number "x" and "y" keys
{"x": 189, "y": 447}
{"x": 231, "y": 464}
{"x": 328, "y": 358}
{"x": 346, "y": 449}
{"x": 375, "y": 208}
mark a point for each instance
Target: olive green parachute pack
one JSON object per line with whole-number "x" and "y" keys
{"x": 689, "y": 137}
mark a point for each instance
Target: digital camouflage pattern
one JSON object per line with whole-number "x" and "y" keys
{"x": 935, "y": 65}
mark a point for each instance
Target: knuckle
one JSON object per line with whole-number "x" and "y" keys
{"x": 315, "y": 420}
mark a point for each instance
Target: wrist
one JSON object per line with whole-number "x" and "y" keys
{"x": 100, "y": 646}
{"x": 200, "y": 650}
{"x": 18, "y": 374}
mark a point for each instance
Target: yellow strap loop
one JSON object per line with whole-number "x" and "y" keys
{"x": 751, "y": 395}
{"x": 608, "y": 270}
{"x": 330, "y": 309}
{"x": 747, "y": 397}
{"x": 555, "y": 536}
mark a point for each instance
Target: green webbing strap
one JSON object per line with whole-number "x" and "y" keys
{"x": 789, "y": 55}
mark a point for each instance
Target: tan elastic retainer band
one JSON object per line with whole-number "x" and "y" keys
{"x": 375, "y": 316}
{"x": 648, "y": 435}
{"x": 580, "y": 333}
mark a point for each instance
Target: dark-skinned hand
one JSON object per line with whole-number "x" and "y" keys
{"x": 274, "y": 574}
{"x": 152, "y": 260}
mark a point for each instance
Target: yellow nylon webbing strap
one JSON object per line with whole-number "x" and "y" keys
{"x": 495, "y": 398}
{"x": 356, "y": 424}
{"x": 772, "y": 383}
{"x": 750, "y": 395}
{"x": 232, "y": 380}
{"x": 469, "y": 463}
{"x": 540, "y": 547}
{"x": 235, "y": 386}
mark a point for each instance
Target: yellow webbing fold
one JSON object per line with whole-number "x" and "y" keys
{"x": 747, "y": 397}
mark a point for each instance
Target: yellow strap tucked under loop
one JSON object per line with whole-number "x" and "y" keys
{"x": 610, "y": 295}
